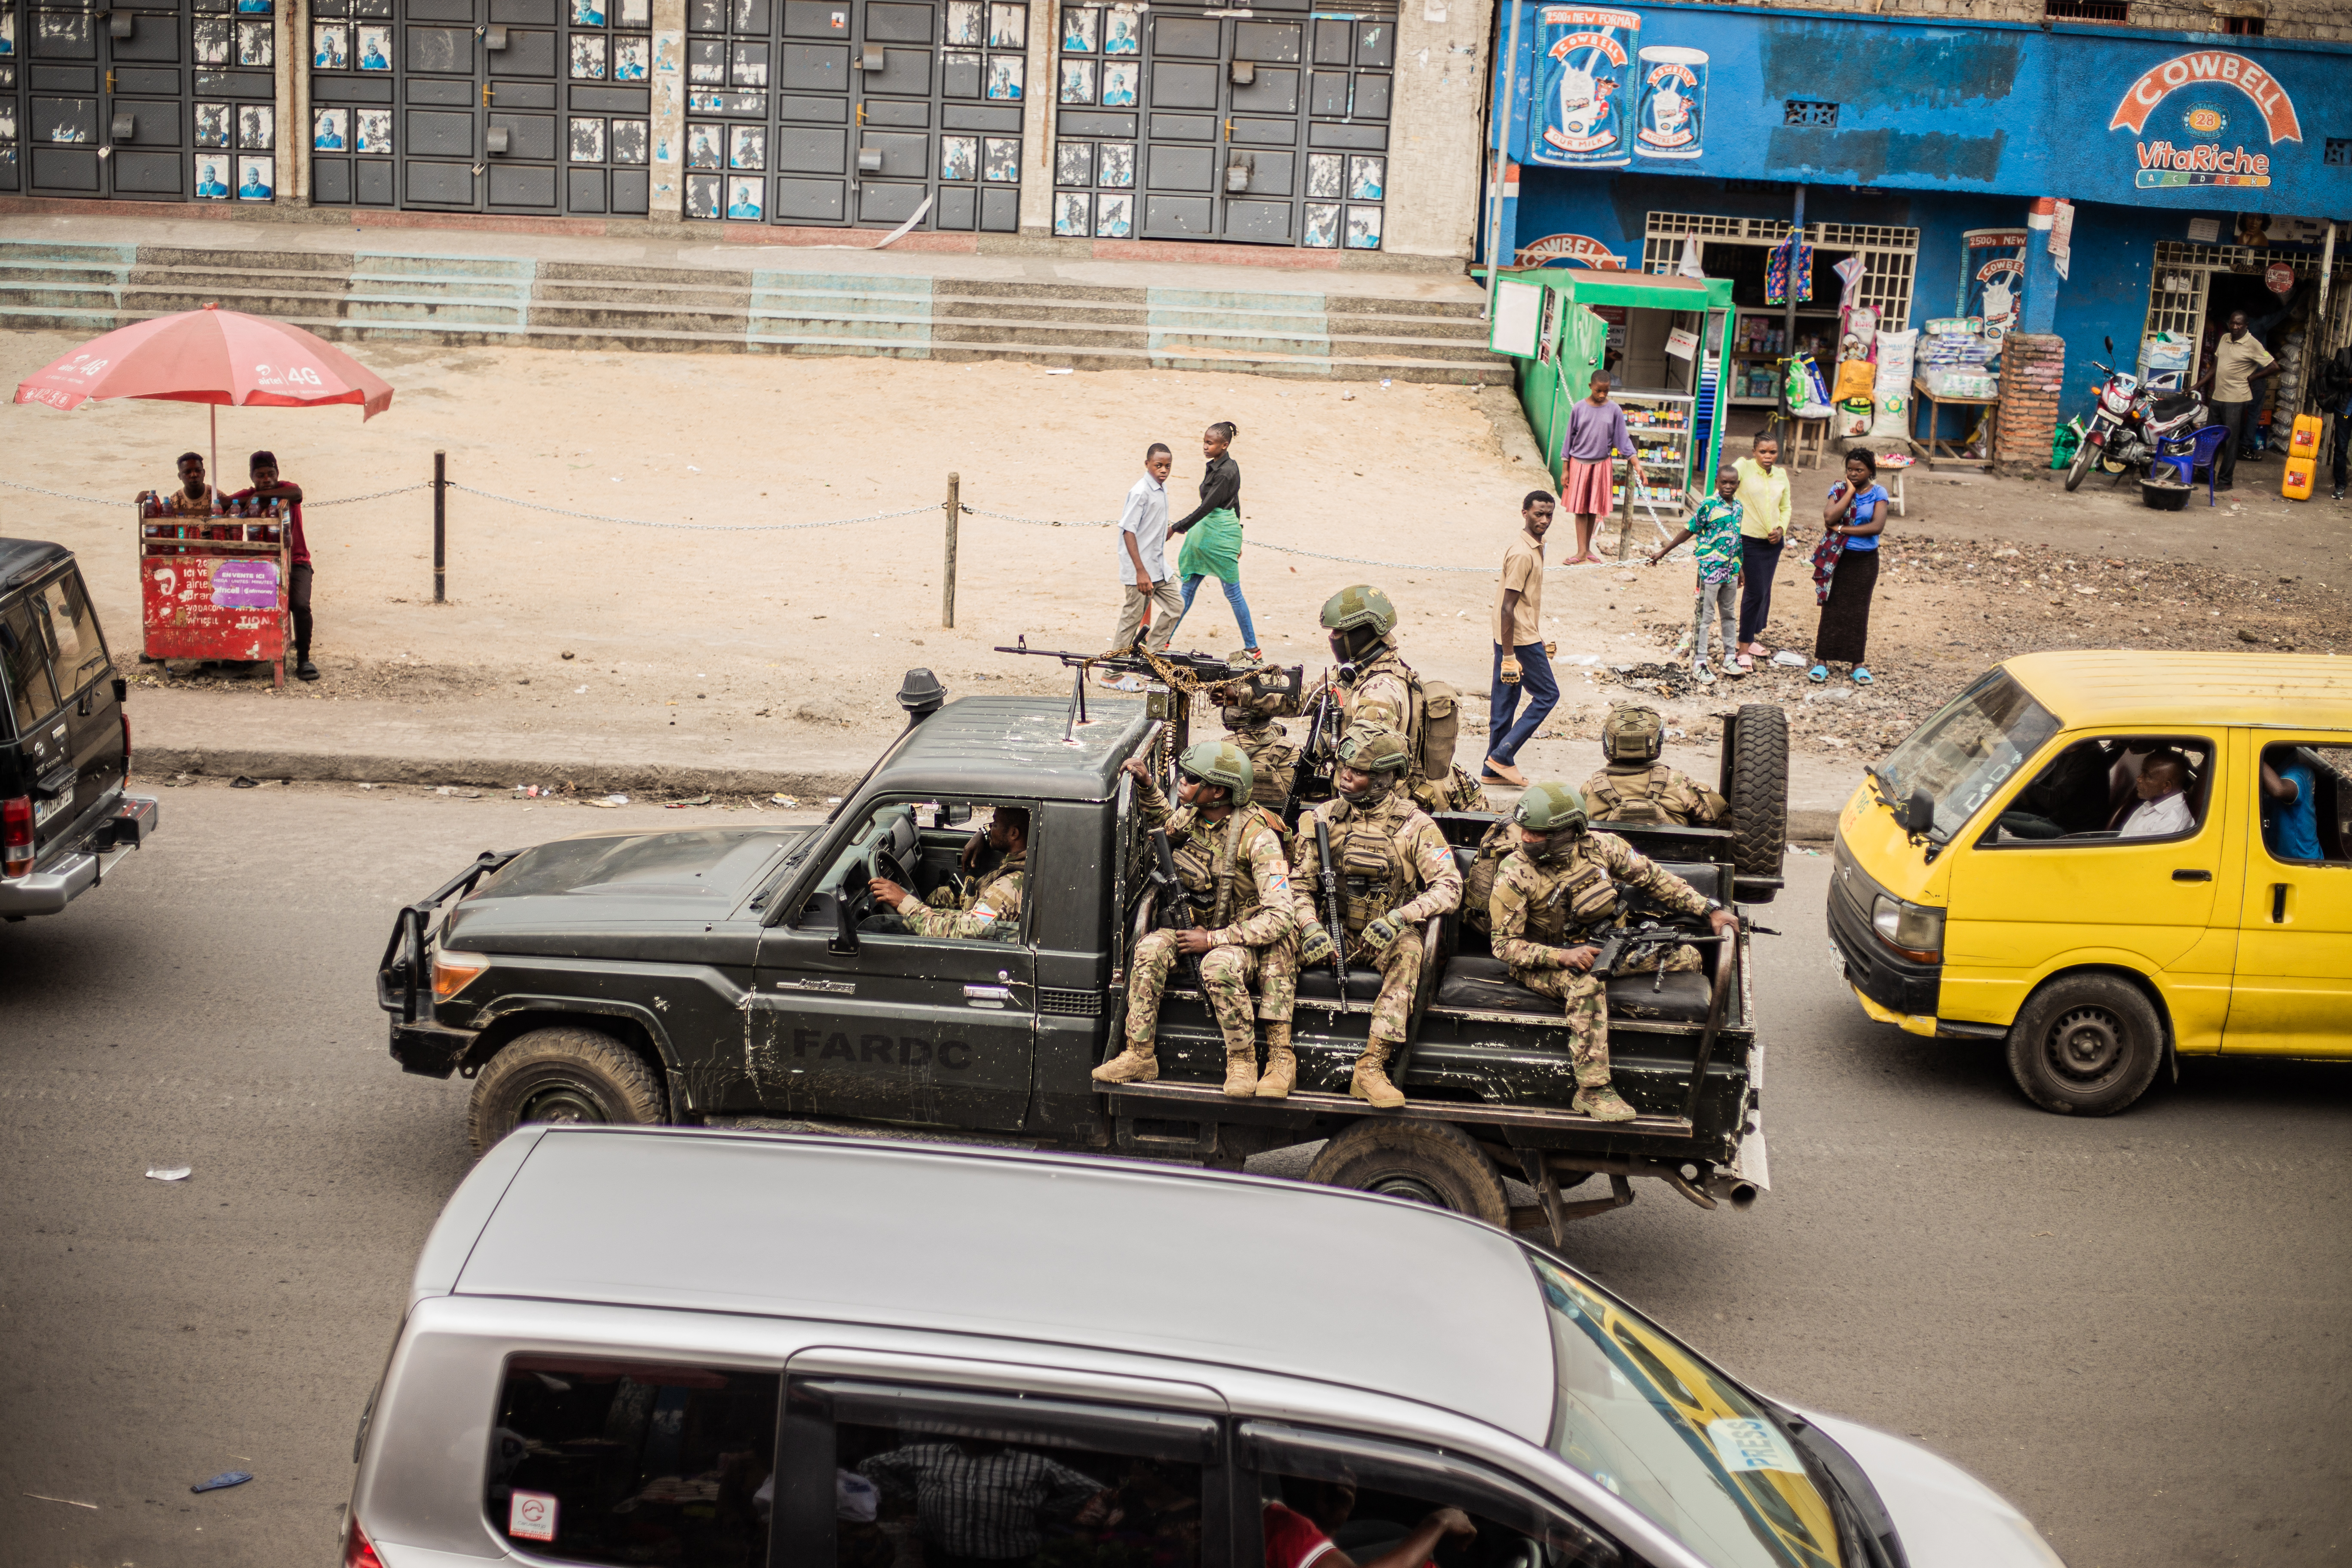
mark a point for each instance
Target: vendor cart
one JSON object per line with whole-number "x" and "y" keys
{"x": 215, "y": 587}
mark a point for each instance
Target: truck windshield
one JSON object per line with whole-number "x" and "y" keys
{"x": 1662, "y": 1429}
{"x": 1966, "y": 752}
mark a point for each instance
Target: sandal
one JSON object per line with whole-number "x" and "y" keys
{"x": 1741, "y": 665}
{"x": 1861, "y": 676}
{"x": 1819, "y": 674}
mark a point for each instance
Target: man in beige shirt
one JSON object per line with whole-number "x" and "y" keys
{"x": 1521, "y": 664}
{"x": 2239, "y": 361}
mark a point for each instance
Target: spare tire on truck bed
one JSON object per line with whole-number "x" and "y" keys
{"x": 1756, "y": 784}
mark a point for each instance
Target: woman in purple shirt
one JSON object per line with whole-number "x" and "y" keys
{"x": 1595, "y": 430}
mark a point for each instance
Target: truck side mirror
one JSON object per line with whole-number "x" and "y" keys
{"x": 1919, "y": 812}
{"x": 829, "y": 910}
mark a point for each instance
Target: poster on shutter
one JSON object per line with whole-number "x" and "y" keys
{"x": 1584, "y": 87}
{"x": 1992, "y": 278}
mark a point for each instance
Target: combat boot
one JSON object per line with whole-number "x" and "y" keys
{"x": 1281, "y": 1065}
{"x": 1602, "y": 1104}
{"x": 1240, "y": 1071}
{"x": 1369, "y": 1083}
{"x": 1137, "y": 1064}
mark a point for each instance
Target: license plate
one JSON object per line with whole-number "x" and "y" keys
{"x": 45, "y": 809}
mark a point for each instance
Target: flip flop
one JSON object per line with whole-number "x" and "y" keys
{"x": 1819, "y": 674}
{"x": 1862, "y": 676}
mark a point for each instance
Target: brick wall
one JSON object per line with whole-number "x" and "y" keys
{"x": 2033, "y": 370}
{"x": 2326, "y": 19}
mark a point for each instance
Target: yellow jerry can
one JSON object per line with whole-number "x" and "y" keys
{"x": 2302, "y": 458}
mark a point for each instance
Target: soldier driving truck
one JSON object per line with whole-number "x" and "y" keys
{"x": 733, "y": 974}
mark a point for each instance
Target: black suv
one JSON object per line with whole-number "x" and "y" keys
{"x": 65, "y": 741}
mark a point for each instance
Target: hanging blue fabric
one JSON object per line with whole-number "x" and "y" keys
{"x": 1792, "y": 255}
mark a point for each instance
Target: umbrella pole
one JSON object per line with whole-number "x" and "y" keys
{"x": 214, "y": 408}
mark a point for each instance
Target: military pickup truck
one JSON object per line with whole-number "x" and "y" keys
{"x": 729, "y": 976}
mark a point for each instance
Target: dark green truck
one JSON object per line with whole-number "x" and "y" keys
{"x": 719, "y": 974}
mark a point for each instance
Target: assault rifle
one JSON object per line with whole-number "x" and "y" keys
{"x": 1309, "y": 759}
{"x": 1178, "y": 912}
{"x": 1335, "y": 915}
{"x": 1625, "y": 947}
{"x": 1252, "y": 682}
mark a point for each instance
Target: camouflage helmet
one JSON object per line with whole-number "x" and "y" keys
{"x": 1362, "y": 606}
{"x": 1632, "y": 735}
{"x": 1218, "y": 762}
{"x": 1370, "y": 750}
{"x": 1550, "y": 807}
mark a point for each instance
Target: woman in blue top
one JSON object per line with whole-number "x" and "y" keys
{"x": 1846, "y": 568}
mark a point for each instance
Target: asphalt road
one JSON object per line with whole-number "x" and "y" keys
{"x": 2137, "y": 1329}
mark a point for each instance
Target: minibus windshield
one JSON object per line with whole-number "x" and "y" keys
{"x": 1965, "y": 754}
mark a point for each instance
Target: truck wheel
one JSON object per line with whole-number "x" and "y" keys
{"x": 563, "y": 1074}
{"x": 1758, "y": 795}
{"x": 2087, "y": 1044}
{"x": 1433, "y": 1163}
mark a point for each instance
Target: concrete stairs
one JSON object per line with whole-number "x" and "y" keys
{"x": 397, "y": 296}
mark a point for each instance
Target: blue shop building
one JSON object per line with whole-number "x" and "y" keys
{"x": 2095, "y": 183}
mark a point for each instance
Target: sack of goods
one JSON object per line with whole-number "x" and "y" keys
{"x": 1893, "y": 387}
{"x": 1959, "y": 382}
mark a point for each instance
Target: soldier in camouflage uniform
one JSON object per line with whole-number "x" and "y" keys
{"x": 1274, "y": 760}
{"x": 1362, "y": 623}
{"x": 1231, "y": 863}
{"x": 1555, "y": 901}
{"x": 1396, "y": 872}
{"x": 990, "y": 912}
{"x": 1637, "y": 787}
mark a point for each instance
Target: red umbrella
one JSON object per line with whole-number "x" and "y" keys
{"x": 212, "y": 356}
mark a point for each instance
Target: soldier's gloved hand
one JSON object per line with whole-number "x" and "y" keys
{"x": 1380, "y": 933}
{"x": 1510, "y": 672}
{"x": 1315, "y": 948}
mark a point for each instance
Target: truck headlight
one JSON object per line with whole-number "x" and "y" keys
{"x": 453, "y": 972}
{"x": 1912, "y": 929}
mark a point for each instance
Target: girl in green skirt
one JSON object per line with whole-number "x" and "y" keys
{"x": 1212, "y": 535}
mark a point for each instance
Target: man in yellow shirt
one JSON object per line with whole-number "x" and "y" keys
{"x": 2239, "y": 361}
{"x": 1763, "y": 497}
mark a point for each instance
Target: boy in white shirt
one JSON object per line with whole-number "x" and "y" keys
{"x": 1143, "y": 560}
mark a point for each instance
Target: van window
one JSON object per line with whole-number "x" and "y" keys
{"x": 26, "y": 653}
{"x": 944, "y": 1478}
{"x": 2306, "y": 803}
{"x": 2117, "y": 789}
{"x": 1371, "y": 1497}
{"x": 1964, "y": 754}
{"x": 610, "y": 1461}
{"x": 81, "y": 651}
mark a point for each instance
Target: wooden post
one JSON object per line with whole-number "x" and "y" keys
{"x": 947, "y": 592}
{"x": 440, "y": 527}
{"x": 1625, "y": 515}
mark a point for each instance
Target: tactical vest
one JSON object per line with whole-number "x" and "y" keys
{"x": 1432, "y": 718}
{"x": 1273, "y": 762}
{"x": 1614, "y": 797}
{"x": 1374, "y": 877}
{"x": 1584, "y": 897}
{"x": 1206, "y": 862}
{"x": 1501, "y": 842}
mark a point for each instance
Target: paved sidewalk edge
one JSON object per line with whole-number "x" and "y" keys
{"x": 150, "y": 762}
{"x": 495, "y": 772}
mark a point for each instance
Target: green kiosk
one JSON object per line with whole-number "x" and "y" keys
{"x": 1661, "y": 337}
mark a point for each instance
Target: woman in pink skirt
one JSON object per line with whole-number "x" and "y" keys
{"x": 1595, "y": 430}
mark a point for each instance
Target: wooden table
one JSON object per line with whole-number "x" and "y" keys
{"x": 1934, "y": 449}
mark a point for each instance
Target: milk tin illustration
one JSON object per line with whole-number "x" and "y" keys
{"x": 1584, "y": 87}
{"x": 1671, "y": 119}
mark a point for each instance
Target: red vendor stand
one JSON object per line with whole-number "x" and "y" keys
{"x": 215, "y": 587}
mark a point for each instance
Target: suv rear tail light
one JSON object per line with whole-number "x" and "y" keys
{"x": 16, "y": 835}
{"x": 358, "y": 1551}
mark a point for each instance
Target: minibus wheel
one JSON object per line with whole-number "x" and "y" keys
{"x": 2087, "y": 1044}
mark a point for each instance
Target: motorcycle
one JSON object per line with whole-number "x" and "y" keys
{"x": 2134, "y": 424}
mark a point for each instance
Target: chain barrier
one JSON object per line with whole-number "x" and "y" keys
{"x": 696, "y": 527}
{"x": 797, "y": 527}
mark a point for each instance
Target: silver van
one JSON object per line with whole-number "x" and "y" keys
{"x": 737, "y": 1350}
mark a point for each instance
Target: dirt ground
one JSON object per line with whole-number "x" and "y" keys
{"x": 559, "y": 624}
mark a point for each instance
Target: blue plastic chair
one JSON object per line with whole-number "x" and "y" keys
{"x": 2208, "y": 448}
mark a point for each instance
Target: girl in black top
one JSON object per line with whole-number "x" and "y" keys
{"x": 1213, "y": 533}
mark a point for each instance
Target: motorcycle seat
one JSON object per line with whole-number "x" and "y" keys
{"x": 2172, "y": 407}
